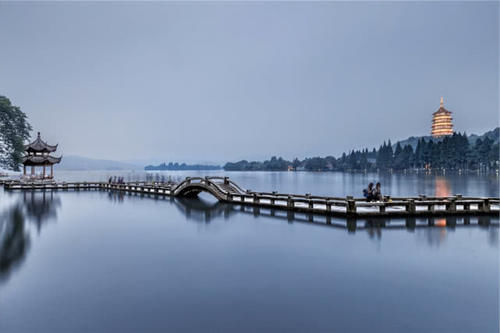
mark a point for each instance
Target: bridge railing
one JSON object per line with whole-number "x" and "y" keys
{"x": 307, "y": 202}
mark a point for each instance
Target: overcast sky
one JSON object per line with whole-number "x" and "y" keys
{"x": 220, "y": 81}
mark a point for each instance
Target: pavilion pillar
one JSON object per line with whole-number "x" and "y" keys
{"x": 32, "y": 170}
{"x": 24, "y": 170}
{"x": 43, "y": 171}
{"x": 51, "y": 171}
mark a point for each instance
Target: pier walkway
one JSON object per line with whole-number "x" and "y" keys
{"x": 225, "y": 190}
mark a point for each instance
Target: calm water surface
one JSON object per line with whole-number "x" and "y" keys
{"x": 108, "y": 262}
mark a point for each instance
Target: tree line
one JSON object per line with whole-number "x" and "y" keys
{"x": 183, "y": 166}
{"x": 14, "y": 131}
{"x": 451, "y": 152}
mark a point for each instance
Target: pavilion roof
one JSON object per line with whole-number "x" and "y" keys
{"x": 40, "y": 146}
{"x": 40, "y": 159}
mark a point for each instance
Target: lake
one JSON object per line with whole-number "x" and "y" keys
{"x": 95, "y": 261}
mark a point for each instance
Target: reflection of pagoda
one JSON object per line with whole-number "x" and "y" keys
{"x": 38, "y": 154}
{"x": 441, "y": 122}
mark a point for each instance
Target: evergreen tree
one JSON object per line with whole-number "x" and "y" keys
{"x": 14, "y": 130}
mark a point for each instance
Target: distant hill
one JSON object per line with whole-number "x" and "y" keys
{"x": 492, "y": 135}
{"x": 176, "y": 166}
{"x": 72, "y": 162}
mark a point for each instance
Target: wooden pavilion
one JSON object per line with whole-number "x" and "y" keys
{"x": 38, "y": 155}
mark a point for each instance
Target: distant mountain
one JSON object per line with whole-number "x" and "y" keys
{"x": 493, "y": 135}
{"x": 176, "y": 166}
{"x": 73, "y": 162}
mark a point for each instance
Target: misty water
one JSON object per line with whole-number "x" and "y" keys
{"x": 97, "y": 261}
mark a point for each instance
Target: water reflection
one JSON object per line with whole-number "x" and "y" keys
{"x": 443, "y": 188}
{"x": 41, "y": 207}
{"x": 14, "y": 241}
{"x": 37, "y": 208}
{"x": 432, "y": 230}
{"x": 31, "y": 207}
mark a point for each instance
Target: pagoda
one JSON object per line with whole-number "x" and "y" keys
{"x": 441, "y": 122}
{"x": 38, "y": 155}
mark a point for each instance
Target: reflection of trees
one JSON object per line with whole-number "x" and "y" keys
{"x": 36, "y": 207}
{"x": 14, "y": 241}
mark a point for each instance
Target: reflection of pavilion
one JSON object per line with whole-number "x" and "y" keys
{"x": 38, "y": 207}
{"x": 41, "y": 206}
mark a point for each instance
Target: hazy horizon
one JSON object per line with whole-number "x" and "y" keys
{"x": 216, "y": 82}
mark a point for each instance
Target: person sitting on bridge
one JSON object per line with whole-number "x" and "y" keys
{"x": 368, "y": 192}
{"x": 377, "y": 193}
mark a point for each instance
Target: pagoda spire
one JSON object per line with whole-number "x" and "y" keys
{"x": 441, "y": 103}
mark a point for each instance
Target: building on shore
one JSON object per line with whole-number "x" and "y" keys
{"x": 38, "y": 155}
{"x": 441, "y": 122}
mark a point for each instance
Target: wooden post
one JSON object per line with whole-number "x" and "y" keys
{"x": 51, "y": 171}
{"x": 255, "y": 198}
{"x": 311, "y": 204}
{"x": 24, "y": 170}
{"x": 32, "y": 170}
{"x": 485, "y": 206}
{"x": 351, "y": 205}
{"x": 289, "y": 203}
{"x": 430, "y": 207}
{"x": 452, "y": 207}
{"x": 410, "y": 207}
{"x": 43, "y": 173}
{"x": 328, "y": 207}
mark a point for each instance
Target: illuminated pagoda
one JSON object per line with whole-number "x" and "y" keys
{"x": 38, "y": 155}
{"x": 441, "y": 122}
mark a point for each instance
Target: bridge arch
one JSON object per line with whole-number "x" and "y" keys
{"x": 191, "y": 187}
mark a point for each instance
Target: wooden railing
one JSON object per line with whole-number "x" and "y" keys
{"x": 343, "y": 206}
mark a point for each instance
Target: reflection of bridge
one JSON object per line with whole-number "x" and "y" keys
{"x": 226, "y": 190}
{"x": 202, "y": 211}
